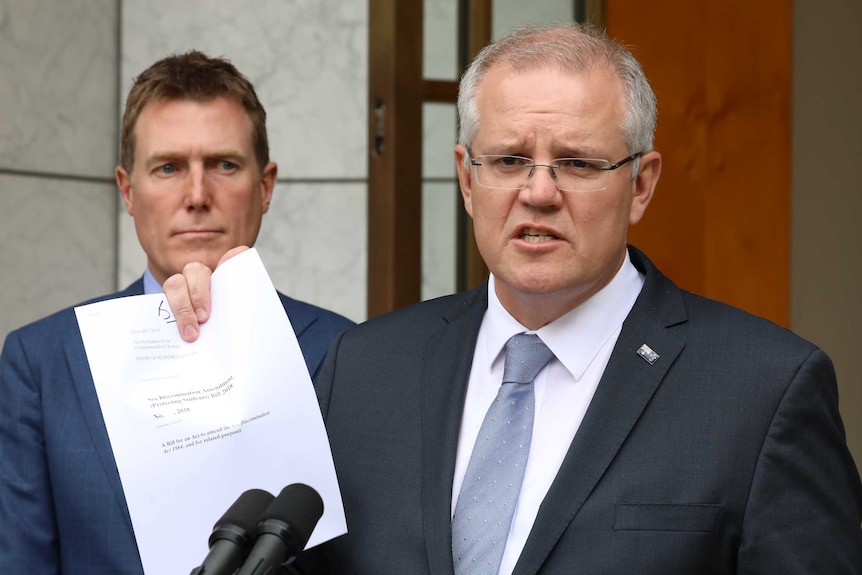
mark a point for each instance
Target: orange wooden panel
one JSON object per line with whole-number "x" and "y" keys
{"x": 720, "y": 222}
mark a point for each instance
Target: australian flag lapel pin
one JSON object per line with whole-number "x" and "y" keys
{"x": 647, "y": 353}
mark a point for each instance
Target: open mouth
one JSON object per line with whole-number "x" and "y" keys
{"x": 534, "y": 236}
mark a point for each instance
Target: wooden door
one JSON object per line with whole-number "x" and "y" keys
{"x": 720, "y": 222}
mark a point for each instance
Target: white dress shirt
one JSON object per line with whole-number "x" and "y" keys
{"x": 582, "y": 341}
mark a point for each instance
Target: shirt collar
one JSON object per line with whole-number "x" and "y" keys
{"x": 151, "y": 285}
{"x": 577, "y": 336}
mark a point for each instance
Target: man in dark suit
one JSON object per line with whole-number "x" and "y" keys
{"x": 195, "y": 175}
{"x": 670, "y": 434}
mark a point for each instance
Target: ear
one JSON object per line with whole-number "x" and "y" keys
{"x": 267, "y": 184}
{"x": 124, "y": 182}
{"x": 464, "y": 177}
{"x": 644, "y": 185}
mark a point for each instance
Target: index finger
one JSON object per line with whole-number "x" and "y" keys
{"x": 189, "y": 296}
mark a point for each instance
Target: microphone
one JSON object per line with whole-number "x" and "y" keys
{"x": 234, "y": 534}
{"x": 284, "y": 529}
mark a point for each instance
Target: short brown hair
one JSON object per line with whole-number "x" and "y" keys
{"x": 197, "y": 77}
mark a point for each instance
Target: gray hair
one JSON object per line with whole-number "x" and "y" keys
{"x": 576, "y": 48}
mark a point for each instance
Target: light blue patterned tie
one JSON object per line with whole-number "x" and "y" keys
{"x": 483, "y": 514}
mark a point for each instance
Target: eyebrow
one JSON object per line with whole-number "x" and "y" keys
{"x": 168, "y": 156}
{"x": 569, "y": 153}
{"x": 499, "y": 150}
{"x": 162, "y": 157}
{"x": 225, "y": 154}
{"x": 580, "y": 152}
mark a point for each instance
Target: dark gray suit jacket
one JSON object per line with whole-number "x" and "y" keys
{"x": 727, "y": 455}
{"x": 62, "y": 508}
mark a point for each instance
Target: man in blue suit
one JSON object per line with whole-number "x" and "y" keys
{"x": 670, "y": 434}
{"x": 195, "y": 175}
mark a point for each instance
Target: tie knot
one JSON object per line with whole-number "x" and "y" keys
{"x": 526, "y": 355}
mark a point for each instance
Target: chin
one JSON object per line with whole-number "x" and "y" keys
{"x": 536, "y": 284}
{"x": 209, "y": 257}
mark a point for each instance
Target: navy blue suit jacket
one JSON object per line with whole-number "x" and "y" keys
{"x": 62, "y": 508}
{"x": 725, "y": 456}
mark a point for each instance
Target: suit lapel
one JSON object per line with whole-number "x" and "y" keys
{"x": 82, "y": 379}
{"x": 300, "y": 316}
{"x": 443, "y": 385}
{"x": 624, "y": 391}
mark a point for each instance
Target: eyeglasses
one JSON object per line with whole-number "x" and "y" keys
{"x": 569, "y": 174}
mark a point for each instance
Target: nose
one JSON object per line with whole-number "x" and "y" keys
{"x": 198, "y": 196}
{"x": 541, "y": 188}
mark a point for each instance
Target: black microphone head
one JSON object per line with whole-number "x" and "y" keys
{"x": 239, "y": 523}
{"x": 300, "y": 507}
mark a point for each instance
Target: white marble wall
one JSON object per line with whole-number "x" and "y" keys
{"x": 441, "y": 200}
{"x": 313, "y": 242}
{"x": 58, "y": 77}
{"x": 308, "y": 62}
{"x": 440, "y": 196}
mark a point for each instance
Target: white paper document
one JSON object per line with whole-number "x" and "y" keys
{"x": 194, "y": 425}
